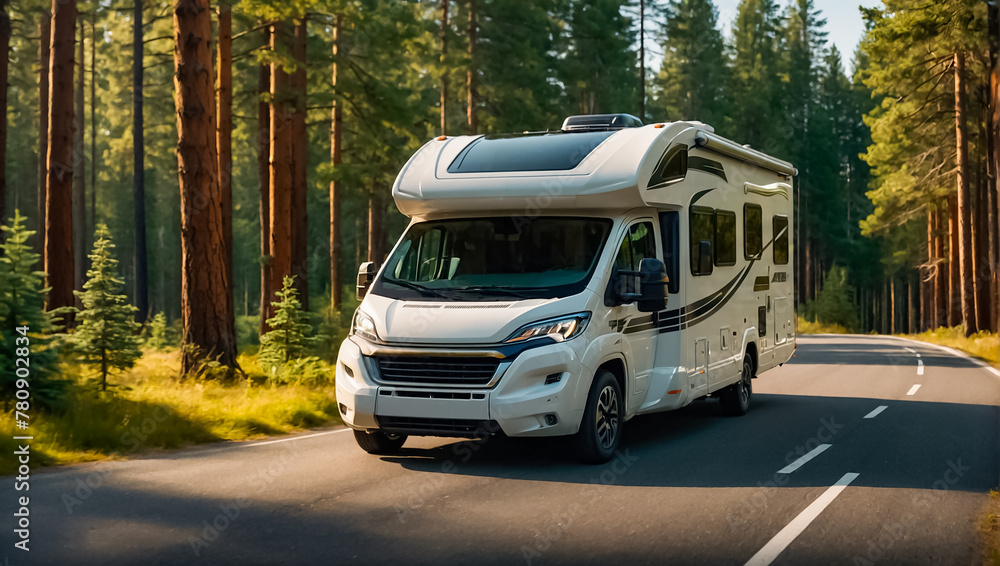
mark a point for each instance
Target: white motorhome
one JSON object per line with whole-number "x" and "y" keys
{"x": 563, "y": 282}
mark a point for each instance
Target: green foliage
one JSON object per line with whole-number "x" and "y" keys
{"x": 692, "y": 81}
{"x": 835, "y": 303}
{"x": 22, "y": 306}
{"x": 289, "y": 337}
{"x": 106, "y": 335}
{"x": 159, "y": 336}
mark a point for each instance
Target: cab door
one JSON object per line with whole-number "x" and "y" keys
{"x": 639, "y": 331}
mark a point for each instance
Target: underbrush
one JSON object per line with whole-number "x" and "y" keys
{"x": 151, "y": 408}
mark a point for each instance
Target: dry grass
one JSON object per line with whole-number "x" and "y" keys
{"x": 983, "y": 345}
{"x": 150, "y": 408}
{"x": 806, "y": 327}
{"x": 989, "y": 530}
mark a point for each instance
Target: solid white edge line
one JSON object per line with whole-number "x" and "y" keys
{"x": 920, "y": 367}
{"x": 785, "y": 536}
{"x": 913, "y": 389}
{"x": 251, "y": 445}
{"x": 805, "y": 458}
{"x": 878, "y": 410}
{"x": 952, "y": 351}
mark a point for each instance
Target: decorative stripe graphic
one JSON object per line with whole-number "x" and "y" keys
{"x": 677, "y": 319}
{"x": 761, "y": 283}
{"x": 707, "y": 166}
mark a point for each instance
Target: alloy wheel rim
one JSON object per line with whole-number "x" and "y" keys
{"x": 607, "y": 417}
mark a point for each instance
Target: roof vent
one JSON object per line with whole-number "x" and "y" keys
{"x": 600, "y": 122}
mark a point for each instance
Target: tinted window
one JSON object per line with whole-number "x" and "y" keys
{"x": 671, "y": 237}
{"x": 779, "y": 226}
{"x": 499, "y": 258}
{"x": 725, "y": 237}
{"x": 702, "y": 230}
{"x": 638, "y": 244}
{"x": 672, "y": 167}
{"x": 753, "y": 226}
{"x": 534, "y": 152}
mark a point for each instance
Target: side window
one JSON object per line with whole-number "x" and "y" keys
{"x": 702, "y": 230}
{"x": 779, "y": 225}
{"x": 670, "y": 228}
{"x": 672, "y": 167}
{"x": 753, "y": 226}
{"x": 639, "y": 243}
{"x": 725, "y": 237}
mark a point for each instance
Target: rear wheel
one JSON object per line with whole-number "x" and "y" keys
{"x": 601, "y": 429}
{"x": 378, "y": 442}
{"x": 735, "y": 399}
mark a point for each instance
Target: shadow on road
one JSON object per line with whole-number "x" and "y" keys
{"x": 911, "y": 445}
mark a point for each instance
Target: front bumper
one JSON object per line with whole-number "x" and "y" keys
{"x": 520, "y": 403}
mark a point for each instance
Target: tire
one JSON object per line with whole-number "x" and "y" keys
{"x": 735, "y": 399}
{"x": 378, "y": 442}
{"x": 603, "y": 419}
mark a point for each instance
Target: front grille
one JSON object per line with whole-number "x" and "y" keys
{"x": 437, "y": 370}
{"x": 416, "y": 426}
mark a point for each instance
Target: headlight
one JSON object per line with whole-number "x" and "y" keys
{"x": 364, "y": 326}
{"x": 558, "y": 329}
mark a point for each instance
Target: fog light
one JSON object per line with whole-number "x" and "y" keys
{"x": 343, "y": 409}
{"x": 551, "y": 419}
{"x": 553, "y": 378}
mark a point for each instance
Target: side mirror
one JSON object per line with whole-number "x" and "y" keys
{"x": 366, "y": 274}
{"x": 652, "y": 285}
{"x": 704, "y": 257}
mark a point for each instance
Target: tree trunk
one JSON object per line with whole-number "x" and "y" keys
{"x": 263, "y": 176}
{"x": 300, "y": 153}
{"x": 281, "y": 174}
{"x": 941, "y": 272}
{"x": 954, "y": 282}
{"x": 93, "y": 121}
{"x": 965, "y": 251}
{"x": 139, "y": 166}
{"x": 893, "y": 311}
{"x": 926, "y": 277}
{"x": 80, "y": 168}
{"x": 444, "y": 67}
{"x": 993, "y": 34}
{"x": 4, "y": 61}
{"x": 642, "y": 60}
{"x": 224, "y": 139}
{"x": 376, "y": 231}
{"x": 981, "y": 250}
{"x": 44, "y": 35}
{"x": 336, "y": 133}
{"x": 911, "y": 311}
{"x": 59, "y": 169}
{"x": 209, "y": 325}
{"x": 472, "y": 116}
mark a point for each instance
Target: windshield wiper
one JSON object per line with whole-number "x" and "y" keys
{"x": 424, "y": 291}
{"x": 495, "y": 291}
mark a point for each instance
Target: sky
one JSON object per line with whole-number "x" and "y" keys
{"x": 843, "y": 22}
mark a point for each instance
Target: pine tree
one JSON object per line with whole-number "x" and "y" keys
{"x": 106, "y": 334}
{"x": 835, "y": 303}
{"x": 289, "y": 335}
{"x": 22, "y": 305}
{"x": 693, "y": 77}
{"x": 755, "y": 109}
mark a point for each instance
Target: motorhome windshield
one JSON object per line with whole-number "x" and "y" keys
{"x": 491, "y": 259}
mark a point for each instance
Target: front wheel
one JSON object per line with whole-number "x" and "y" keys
{"x": 378, "y": 442}
{"x": 601, "y": 429}
{"x": 735, "y": 399}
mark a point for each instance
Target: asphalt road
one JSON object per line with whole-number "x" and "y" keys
{"x": 690, "y": 487}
